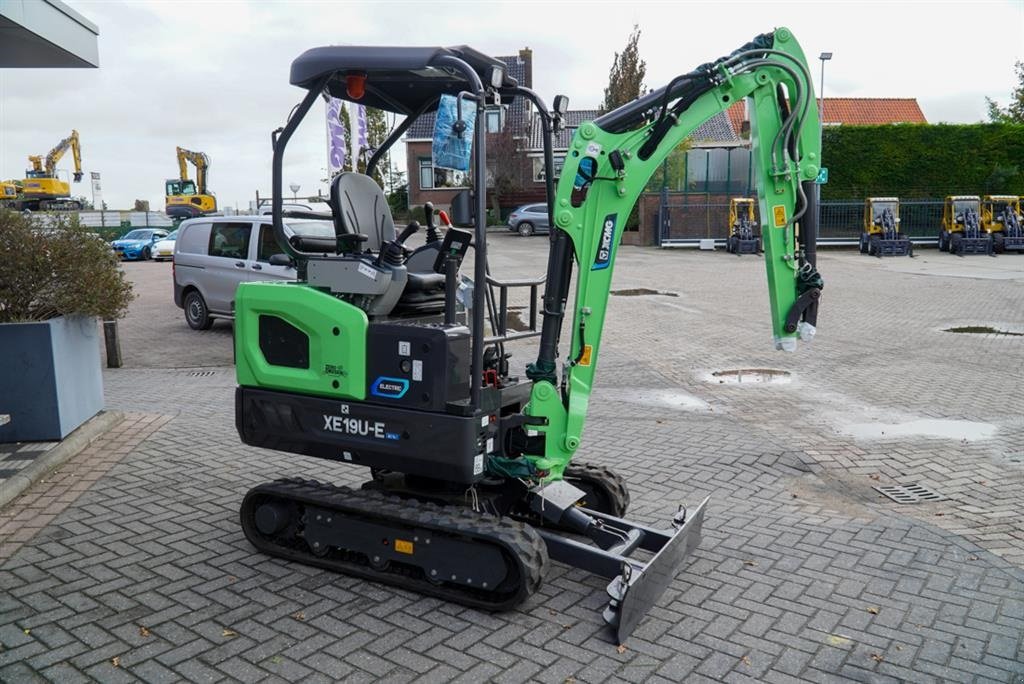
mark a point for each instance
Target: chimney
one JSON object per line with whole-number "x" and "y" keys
{"x": 526, "y": 57}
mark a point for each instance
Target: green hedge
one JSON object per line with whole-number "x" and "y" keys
{"x": 923, "y": 160}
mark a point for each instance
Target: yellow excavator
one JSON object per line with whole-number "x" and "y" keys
{"x": 185, "y": 198}
{"x": 42, "y": 189}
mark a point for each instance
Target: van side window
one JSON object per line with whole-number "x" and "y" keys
{"x": 193, "y": 239}
{"x": 230, "y": 240}
{"x": 268, "y": 246}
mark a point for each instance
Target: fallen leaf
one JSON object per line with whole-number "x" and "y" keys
{"x": 750, "y": 562}
{"x": 873, "y": 610}
{"x": 277, "y": 660}
{"x": 28, "y": 631}
{"x": 232, "y": 578}
{"x": 299, "y": 615}
{"x": 621, "y": 648}
{"x": 569, "y": 680}
{"x": 836, "y": 640}
{"x": 143, "y": 631}
{"x": 939, "y": 515}
{"x": 972, "y": 558}
{"x": 877, "y": 657}
{"x": 745, "y": 660}
{"x": 874, "y": 476}
{"x": 899, "y": 648}
{"x": 793, "y": 495}
{"x": 115, "y": 661}
{"x": 229, "y": 633}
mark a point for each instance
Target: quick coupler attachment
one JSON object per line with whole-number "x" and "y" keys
{"x": 636, "y": 585}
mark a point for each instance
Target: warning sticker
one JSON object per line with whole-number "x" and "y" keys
{"x": 478, "y": 464}
{"x": 585, "y": 358}
{"x": 779, "y": 212}
{"x": 417, "y": 370}
{"x": 368, "y": 271}
{"x": 403, "y": 546}
{"x": 404, "y": 348}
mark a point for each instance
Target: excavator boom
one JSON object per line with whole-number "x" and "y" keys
{"x": 186, "y": 199}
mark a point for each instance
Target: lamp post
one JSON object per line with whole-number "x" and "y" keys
{"x": 824, "y": 57}
{"x": 295, "y": 190}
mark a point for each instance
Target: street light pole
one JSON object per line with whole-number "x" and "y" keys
{"x": 824, "y": 57}
{"x": 295, "y": 191}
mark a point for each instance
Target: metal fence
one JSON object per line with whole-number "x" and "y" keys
{"x": 686, "y": 218}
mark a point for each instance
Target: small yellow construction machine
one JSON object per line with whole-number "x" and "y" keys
{"x": 743, "y": 236}
{"x": 1002, "y": 219}
{"x": 186, "y": 198}
{"x": 42, "y": 189}
{"x": 881, "y": 235}
{"x": 961, "y": 227}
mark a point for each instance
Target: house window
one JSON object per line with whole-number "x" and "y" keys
{"x": 432, "y": 178}
{"x": 495, "y": 118}
{"x": 426, "y": 174}
{"x": 538, "y": 168}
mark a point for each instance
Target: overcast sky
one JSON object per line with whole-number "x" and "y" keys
{"x": 213, "y": 75}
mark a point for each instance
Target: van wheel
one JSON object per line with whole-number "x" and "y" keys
{"x": 526, "y": 229}
{"x": 196, "y": 314}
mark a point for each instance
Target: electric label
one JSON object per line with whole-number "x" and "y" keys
{"x": 389, "y": 388}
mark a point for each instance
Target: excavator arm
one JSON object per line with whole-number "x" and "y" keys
{"x": 610, "y": 161}
{"x": 200, "y": 161}
{"x": 55, "y": 155}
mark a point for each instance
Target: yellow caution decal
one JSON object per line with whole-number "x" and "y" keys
{"x": 780, "y": 215}
{"x": 585, "y": 359}
{"x": 403, "y": 546}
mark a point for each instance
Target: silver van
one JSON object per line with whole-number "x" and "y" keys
{"x": 213, "y": 254}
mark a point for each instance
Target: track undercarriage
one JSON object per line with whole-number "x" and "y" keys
{"x": 486, "y": 547}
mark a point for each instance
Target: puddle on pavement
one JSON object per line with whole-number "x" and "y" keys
{"x": 642, "y": 292}
{"x": 928, "y": 428}
{"x": 658, "y": 397}
{"x": 751, "y": 376}
{"x": 982, "y": 330}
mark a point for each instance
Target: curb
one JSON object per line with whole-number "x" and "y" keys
{"x": 70, "y": 446}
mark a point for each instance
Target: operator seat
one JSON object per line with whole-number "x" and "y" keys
{"x": 358, "y": 206}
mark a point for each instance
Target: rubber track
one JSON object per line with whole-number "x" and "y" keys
{"x": 606, "y": 479}
{"x": 519, "y": 542}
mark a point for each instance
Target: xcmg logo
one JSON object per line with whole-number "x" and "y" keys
{"x": 604, "y": 245}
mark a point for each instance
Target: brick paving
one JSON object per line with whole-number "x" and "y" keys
{"x": 18, "y": 455}
{"x": 805, "y": 572}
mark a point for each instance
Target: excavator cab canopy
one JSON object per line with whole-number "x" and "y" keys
{"x": 404, "y": 80}
{"x": 177, "y": 186}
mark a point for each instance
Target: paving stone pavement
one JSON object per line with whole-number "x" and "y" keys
{"x": 18, "y": 455}
{"x": 804, "y": 574}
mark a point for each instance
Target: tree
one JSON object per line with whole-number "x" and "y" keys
{"x": 507, "y": 166}
{"x": 626, "y": 78}
{"x": 1013, "y": 112}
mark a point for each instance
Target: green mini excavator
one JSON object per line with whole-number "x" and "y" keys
{"x": 394, "y": 359}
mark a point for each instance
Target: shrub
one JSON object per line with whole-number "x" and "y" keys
{"x": 58, "y": 269}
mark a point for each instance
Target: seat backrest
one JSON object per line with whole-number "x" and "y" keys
{"x": 359, "y": 206}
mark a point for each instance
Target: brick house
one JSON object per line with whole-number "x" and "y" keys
{"x": 429, "y": 184}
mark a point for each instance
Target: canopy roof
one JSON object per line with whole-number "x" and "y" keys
{"x": 398, "y": 79}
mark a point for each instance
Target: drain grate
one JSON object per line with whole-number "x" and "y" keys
{"x": 909, "y": 493}
{"x": 983, "y": 330}
{"x": 202, "y": 374}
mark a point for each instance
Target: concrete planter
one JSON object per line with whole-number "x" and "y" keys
{"x": 50, "y": 379}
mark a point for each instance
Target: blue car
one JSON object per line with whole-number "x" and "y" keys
{"x": 138, "y": 244}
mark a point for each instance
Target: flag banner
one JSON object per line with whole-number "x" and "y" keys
{"x": 335, "y": 137}
{"x": 357, "y": 117}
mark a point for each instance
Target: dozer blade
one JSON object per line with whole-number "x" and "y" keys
{"x": 635, "y": 585}
{"x": 637, "y": 589}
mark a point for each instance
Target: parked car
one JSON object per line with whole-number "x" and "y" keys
{"x": 529, "y": 219}
{"x": 164, "y": 249}
{"x": 213, "y": 254}
{"x": 138, "y": 243}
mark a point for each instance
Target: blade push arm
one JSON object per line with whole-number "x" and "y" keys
{"x": 611, "y": 160}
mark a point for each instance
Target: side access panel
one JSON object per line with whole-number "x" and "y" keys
{"x": 436, "y": 445}
{"x": 295, "y": 338}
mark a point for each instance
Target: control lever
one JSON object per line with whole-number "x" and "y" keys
{"x": 428, "y": 215}
{"x": 408, "y": 231}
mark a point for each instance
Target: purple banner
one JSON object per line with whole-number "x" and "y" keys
{"x": 357, "y": 115}
{"x": 335, "y": 137}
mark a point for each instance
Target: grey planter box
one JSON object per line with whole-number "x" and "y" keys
{"x": 50, "y": 378}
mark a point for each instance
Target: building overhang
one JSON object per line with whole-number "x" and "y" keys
{"x": 46, "y": 33}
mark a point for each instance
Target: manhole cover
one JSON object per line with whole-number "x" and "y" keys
{"x": 202, "y": 374}
{"x": 909, "y": 493}
{"x": 983, "y": 330}
{"x": 751, "y": 376}
{"x": 642, "y": 292}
